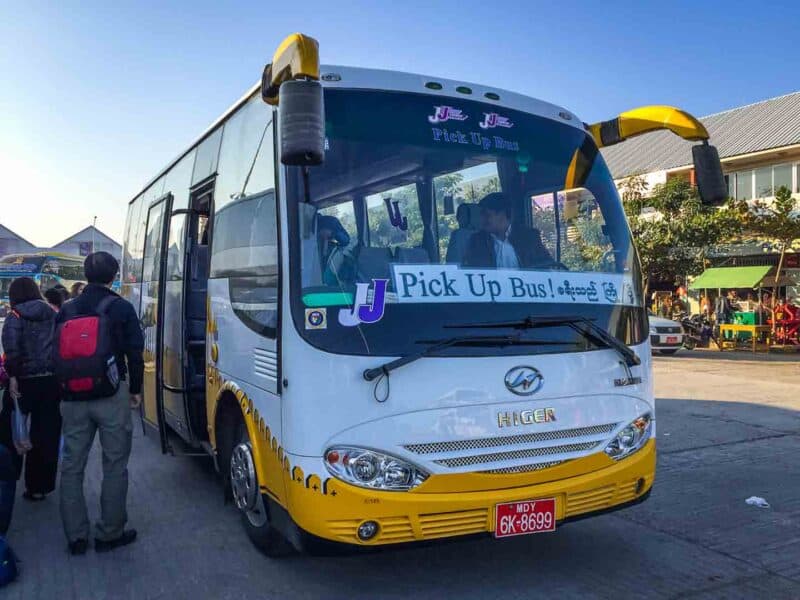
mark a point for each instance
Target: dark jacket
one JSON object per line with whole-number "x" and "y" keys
{"x": 527, "y": 244}
{"x": 128, "y": 338}
{"x": 28, "y": 339}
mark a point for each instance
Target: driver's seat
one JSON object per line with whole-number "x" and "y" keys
{"x": 468, "y": 217}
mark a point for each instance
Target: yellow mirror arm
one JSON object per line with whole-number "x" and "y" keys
{"x": 644, "y": 120}
{"x": 296, "y": 57}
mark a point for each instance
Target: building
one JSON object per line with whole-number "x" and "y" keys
{"x": 11, "y": 243}
{"x": 759, "y": 148}
{"x": 81, "y": 243}
{"x": 86, "y": 241}
{"x": 758, "y": 144}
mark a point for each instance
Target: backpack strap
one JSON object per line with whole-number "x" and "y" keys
{"x": 105, "y": 304}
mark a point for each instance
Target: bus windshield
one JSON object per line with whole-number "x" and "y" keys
{"x": 431, "y": 213}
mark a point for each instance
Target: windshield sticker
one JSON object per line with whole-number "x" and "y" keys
{"x": 449, "y": 283}
{"x": 315, "y": 299}
{"x": 364, "y": 310}
{"x": 396, "y": 218}
{"x": 485, "y": 142}
{"x": 446, "y": 113}
{"x": 491, "y": 120}
{"x": 316, "y": 318}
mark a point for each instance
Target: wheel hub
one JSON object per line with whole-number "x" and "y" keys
{"x": 244, "y": 483}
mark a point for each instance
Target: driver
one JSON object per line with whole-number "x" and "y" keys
{"x": 501, "y": 244}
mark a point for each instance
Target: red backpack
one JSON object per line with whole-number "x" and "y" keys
{"x": 85, "y": 363}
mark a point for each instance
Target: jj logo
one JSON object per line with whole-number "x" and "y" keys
{"x": 364, "y": 311}
{"x": 446, "y": 113}
{"x": 491, "y": 120}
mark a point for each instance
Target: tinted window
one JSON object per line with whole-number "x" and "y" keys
{"x": 245, "y": 238}
{"x": 246, "y": 157}
{"x": 134, "y": 243}
{"x": 178, "y": 181}
{"x": 207, "y": 153}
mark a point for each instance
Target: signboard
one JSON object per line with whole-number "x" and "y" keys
{"x": 428, "y": 283}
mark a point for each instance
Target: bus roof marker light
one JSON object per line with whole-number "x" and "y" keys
{"x": 491, "y": 96}
{"x": 433, "y": 85}
{"x": 462, "y": 89}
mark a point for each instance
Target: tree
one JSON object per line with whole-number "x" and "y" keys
{"x": 673, "y": 229}
{"x": 777, "y": 221}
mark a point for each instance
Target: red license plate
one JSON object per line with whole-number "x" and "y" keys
{"x": 522, "y": 518}
{"x": 672, "y": 339}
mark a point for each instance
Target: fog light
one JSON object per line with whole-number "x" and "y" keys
{"x": 367, "y": 530}
{"x": 640, "y": 486}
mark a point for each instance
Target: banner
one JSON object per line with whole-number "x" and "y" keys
{"x": 448, "y": 283}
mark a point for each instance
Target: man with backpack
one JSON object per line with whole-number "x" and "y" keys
{"x": 99, "y": 366}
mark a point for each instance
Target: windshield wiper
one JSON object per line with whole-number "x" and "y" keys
{"x": 473, "y": 340}
{"x": 583, "y": 325}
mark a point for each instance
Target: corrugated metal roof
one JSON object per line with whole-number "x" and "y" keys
{"x": 767, "y": 124}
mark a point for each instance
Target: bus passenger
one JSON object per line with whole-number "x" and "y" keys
{"x": 110, "y": 415}
{"x": 28, "y": 343}
{"x": 500, "y": 244}
{"x": 54, "y": 298}
{"x": 76, "y": 288}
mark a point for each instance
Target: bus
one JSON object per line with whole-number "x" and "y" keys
{"x": 396, "y": 308}
{"x": 48, "y": 269}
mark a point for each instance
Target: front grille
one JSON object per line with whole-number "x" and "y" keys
{"x": 454, "y": 523}
{"x": 510, "y": 440}
{"x": 524, "y": 468}
{"x": 669, "y": 329}
{"x": 392, "y": 529}
{"x": 596, "y": 499}
{"x": 464, "y": 461}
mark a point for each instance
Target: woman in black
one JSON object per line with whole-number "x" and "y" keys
{"x": 27, "y": 343}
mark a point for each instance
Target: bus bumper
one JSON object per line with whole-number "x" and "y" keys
{"x": 334, "y": 510}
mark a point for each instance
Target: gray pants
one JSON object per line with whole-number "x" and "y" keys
{"x": 81, "y": 420}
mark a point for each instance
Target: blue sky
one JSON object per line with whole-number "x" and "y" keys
{"x": 97, "y": 96}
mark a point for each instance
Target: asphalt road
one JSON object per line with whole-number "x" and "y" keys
{"x": 728, "y": 429}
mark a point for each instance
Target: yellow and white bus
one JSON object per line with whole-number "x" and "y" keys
{"x": 396, "y": 307}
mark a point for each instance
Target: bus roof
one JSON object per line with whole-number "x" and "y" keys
{"x": 399, "y": 81}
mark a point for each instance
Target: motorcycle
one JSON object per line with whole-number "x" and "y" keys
{"x": 697, "y": 331}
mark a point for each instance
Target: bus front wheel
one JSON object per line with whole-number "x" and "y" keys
{"x": 248, "y": 498}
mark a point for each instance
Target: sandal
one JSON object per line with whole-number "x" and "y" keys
{"x": 34, "y": 496}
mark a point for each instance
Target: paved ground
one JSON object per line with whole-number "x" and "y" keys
{"x": 729, "y": 428}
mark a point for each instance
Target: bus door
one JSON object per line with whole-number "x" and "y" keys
{"x": 184, "y": 318}
{"x": 152, "y": 312}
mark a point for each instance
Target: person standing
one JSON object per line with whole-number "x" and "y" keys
{"x": 76, "y": 288}
{"x": 28, "y": 345}
{"x": 109, "y": 414}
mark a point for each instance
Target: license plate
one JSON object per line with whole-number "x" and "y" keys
{"x": 522, "y": 518}
{"x": 672, "y": 339}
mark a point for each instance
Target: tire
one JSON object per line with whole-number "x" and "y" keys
{"x": 253, "y": 506}
{"x": 669, "y": 352}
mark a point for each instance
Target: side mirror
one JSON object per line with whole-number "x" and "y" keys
{"x": 301, "y": 115}
{"x": 708, "y": 174}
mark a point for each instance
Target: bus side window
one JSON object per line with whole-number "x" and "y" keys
{"x": 244, "y": 244}
{"x": 245, "y": 251}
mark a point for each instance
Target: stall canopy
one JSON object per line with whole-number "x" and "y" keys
{"x": 729, "y": 277}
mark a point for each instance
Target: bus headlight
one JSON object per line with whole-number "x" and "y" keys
{"x": 370, "y": 469}
{"x": 631, "y": 438}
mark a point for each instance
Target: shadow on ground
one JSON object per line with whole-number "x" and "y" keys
{"x": 695, "y": 536}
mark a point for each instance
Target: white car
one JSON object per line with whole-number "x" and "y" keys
{"x": 666, "y": 335}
